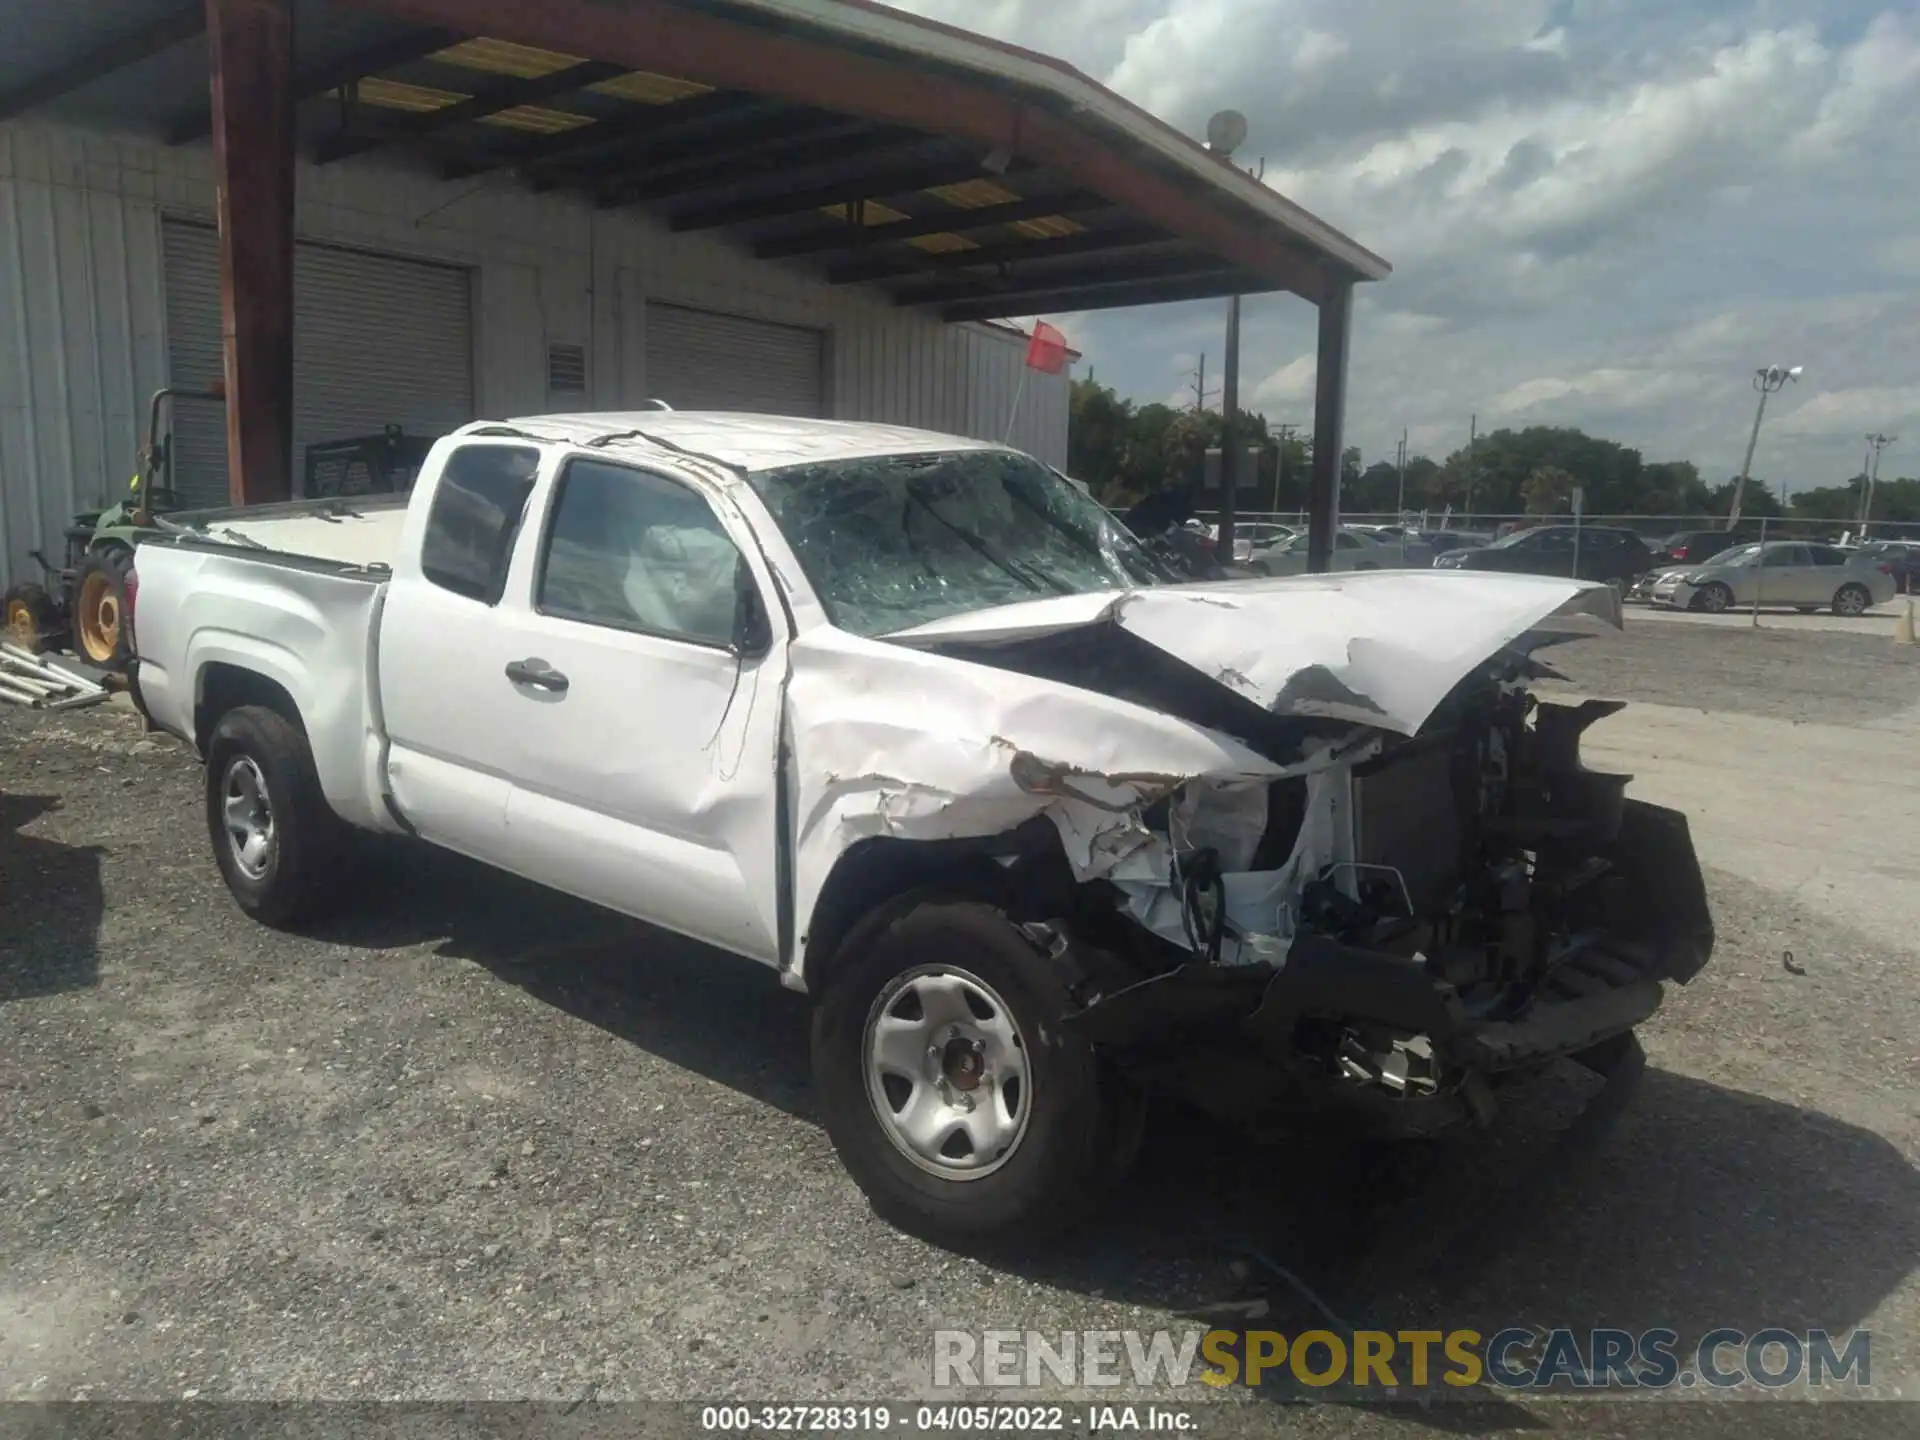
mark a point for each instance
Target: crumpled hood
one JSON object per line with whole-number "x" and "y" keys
{"x": 1379, "y": 648}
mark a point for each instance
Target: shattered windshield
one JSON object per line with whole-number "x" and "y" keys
{"x": 895, "y": 541}
{"x": 903, "y": 540}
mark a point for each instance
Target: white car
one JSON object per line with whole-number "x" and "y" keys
{"x": 1780, "y": 572}
{"x": 1352, "y": 550}
{"x": 897, "y": 715}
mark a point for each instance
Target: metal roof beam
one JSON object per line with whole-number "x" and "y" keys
{"x": 197, "y": 124}
{"x": 751, "y": 159}
{"x": 985, "y": 287}
{"x": 874, "y": 185}
{"x": 952, "y": 220}
{"x": 1012, "y": 252}
{"x": 517, "y": 90}
{"x": 103, "y": 59}
{"x": 679, "y": 129}
{"x": 1108, "y": 295}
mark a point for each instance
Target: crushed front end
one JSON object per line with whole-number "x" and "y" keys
{"x": 1401, "y": 926}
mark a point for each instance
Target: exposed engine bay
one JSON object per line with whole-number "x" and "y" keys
{"x": 1401, "y": 926}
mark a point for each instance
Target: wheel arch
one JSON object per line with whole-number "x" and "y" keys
{"x": 1025, "y": 870}
{"x": 223, "y": 686}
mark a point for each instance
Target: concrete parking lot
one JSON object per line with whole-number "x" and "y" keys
{"x": 476, "y": 1141}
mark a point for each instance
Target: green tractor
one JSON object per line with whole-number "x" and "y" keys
{"x": 84, "y": 601}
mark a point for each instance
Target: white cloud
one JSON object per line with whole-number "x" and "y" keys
{"x": 1600, "y": 212}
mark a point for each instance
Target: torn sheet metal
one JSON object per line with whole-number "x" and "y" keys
{"x": 1376, "y": 648}
{"x": 890, "y": 741}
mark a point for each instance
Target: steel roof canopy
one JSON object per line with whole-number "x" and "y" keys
{"x": 963, "y": 175}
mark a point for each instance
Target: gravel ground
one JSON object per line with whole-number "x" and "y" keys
{"x": 481, "y": 1142}
{"x": 1824, "y": 676}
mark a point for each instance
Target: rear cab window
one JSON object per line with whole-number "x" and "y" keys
{"x": 478, "y": 504}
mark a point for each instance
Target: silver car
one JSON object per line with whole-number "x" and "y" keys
{"x": 1780, "y": 572}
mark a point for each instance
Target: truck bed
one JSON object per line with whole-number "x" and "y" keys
{"x": 362, "y": 531}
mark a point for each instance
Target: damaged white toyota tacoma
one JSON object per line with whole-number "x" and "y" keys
{"x": 914, "y": 722}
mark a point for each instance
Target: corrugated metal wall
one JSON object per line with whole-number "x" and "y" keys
{"x": 83, "y": 313}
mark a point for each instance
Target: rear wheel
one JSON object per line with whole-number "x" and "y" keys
{"x": 276, "y": 840}
{"x": 1852, "y": 600}
{"x": 954, "y": 1096}
{"x": 101, "y": 629}
{"x": 1715, "y": 599}
{"x": 30, "y": 616}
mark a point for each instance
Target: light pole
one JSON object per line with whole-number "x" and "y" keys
{"x": 1226, "y": 132}
{"x": 1875, "y": 444}
{"x": 1767, "y": 381}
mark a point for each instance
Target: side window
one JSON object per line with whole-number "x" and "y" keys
{"x": 1827, "y": 555}
{"x": 1346, "y": 542}
{"x": 1786, "y": 557}
{"x": 635, "y": 551}
{"x": 1551, "y": 542}
{"x": 475, "y": 517}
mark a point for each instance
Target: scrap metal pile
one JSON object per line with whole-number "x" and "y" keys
{"x": 27, "y": 679}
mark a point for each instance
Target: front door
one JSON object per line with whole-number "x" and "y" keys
{"x": 647, "y": 736}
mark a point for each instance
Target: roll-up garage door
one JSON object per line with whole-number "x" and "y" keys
{"x": 377, "y": 341}
{"x": 701, "y": 360}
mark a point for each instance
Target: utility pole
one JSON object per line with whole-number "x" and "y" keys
{"x": 1473, "y": 462}
{"x": 1768, "y": 381}
{"x": 1875, "y": 444}
{"x": 1199, "y": 386}
{"x": 1280, "y": 463}
{"x": 1402, "y": 509}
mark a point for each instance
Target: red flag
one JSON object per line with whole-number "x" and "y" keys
{"x": 1047, "y": 350}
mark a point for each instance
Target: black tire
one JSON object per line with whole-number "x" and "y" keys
{"x": 294, "y": 878}
{"x": 102, "y": 580}
{"x": 30, "y": 617}
{"x": 1852, "y": 600}
{"x": 1076, "y": 1132}
{"x": 1714, "y": 598}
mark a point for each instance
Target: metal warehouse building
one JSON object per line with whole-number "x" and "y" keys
{"x": 415, "y": 212}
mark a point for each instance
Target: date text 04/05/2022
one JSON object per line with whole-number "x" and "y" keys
{"x": 937, "y": 1419}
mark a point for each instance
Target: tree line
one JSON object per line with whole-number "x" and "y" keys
{"x": 1125, "y": 452}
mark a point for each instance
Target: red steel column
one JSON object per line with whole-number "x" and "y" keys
{"x": 251, "y": 49}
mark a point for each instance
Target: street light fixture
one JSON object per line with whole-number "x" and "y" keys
{"x": 1767, "y": 381}
{"x": 1871, "y": 477}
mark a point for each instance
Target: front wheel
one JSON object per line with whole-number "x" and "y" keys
{"x": 275, "y": 838}
{"x": 1852, "y": 600}
{"x": 957, "y": 1101}
{"x": 1715, "y": 599}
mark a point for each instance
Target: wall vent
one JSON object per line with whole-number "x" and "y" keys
{"x": 567, "y": 369}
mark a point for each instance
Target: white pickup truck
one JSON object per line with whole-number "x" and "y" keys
{"x": 914, "y": 722}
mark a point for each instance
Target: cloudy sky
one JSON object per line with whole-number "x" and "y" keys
{"x": 1599, "y": 212}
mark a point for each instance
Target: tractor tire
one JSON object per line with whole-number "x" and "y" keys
{"x": 31, "y": 617}
{"x": 102, "y": 628}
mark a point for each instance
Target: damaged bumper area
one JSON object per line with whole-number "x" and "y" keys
{"x": 1411, "y": 999}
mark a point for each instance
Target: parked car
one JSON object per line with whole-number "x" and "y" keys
{"x": 1261, "y": 535}
{"x": 1696, "y": 547}
{"x": 1352, "y": 550}
{"x": 1586, "y": 552}
{"x": 1903, "y": 560}
{"x": 1441, "y": 541}
{"x": 900, "y": 716}
{"x": 1781, "y": 572}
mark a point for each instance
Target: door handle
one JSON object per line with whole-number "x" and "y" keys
{"x": 538, "y": 674}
